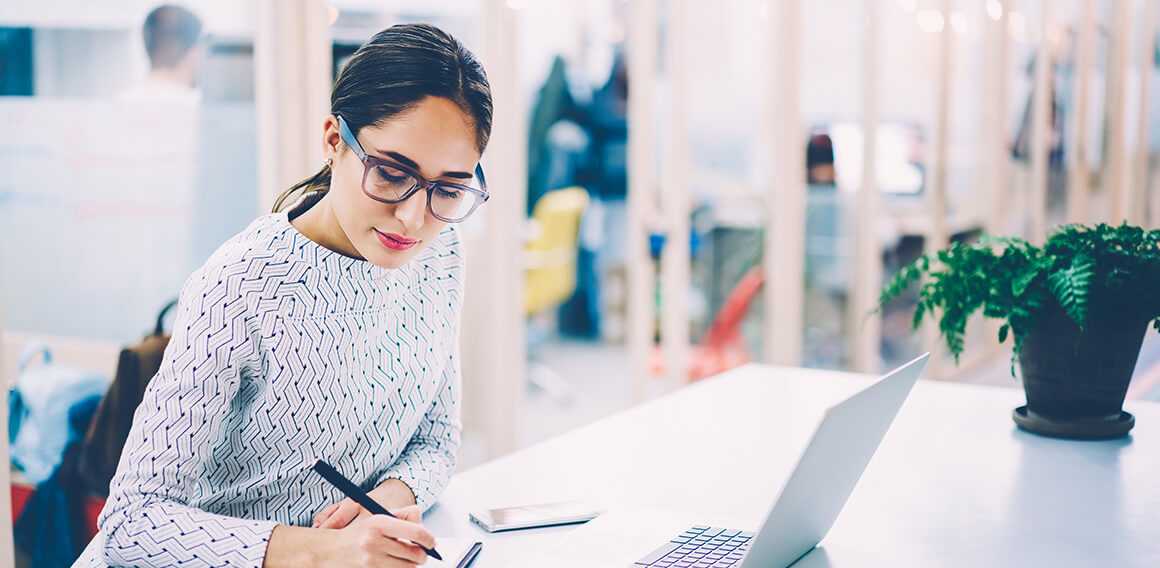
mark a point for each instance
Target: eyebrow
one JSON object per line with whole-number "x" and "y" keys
{"x": 411, "y": 164}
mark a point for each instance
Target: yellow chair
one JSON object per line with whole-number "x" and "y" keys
{"x": 550, "y": 274}
{"x": 550, "y": 254}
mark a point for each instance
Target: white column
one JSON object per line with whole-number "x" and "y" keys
{"x": 495, "y": 327}
{"x": 993, "y": 141}
{"x": 784, "y": 262}
{"x": 996, "y": 53}
{"x": 1079, "y": 176}
{"x": 866, "y": 331}
{"x": 642, "y": 76}
{"x": 1116, "y": 162}
{"x": 292, "y": 70}
{"x": 937, "y": 236}
{"x": 7, "y": 557}
{"x": 675, "y": 271}
{"x": 1138, "y": 190}
{"x": 1040, "y": 145}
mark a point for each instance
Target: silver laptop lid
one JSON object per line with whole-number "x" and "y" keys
{"x": 830, "y": 467}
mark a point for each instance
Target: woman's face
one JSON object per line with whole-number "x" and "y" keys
{"x": 438, "y": 138}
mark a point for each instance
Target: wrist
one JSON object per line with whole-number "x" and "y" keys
{"x": 394, "y": 493}
{"x": 293, "y": 546}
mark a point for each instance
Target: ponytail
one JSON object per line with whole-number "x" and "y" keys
{"x": 317, "y": 182}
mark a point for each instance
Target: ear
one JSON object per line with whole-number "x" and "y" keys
{"x": 330, "y": 137}
{"x": 190, "y": 65}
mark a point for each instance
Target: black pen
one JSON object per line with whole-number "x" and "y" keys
{"x": 359, "y": 496}
{"x": 470, "y": 556}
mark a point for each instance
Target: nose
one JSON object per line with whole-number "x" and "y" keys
{"x": 412, "y": 212}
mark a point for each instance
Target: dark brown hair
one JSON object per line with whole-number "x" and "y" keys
{"x": 170, "y": 31}
{"x": 394, "y": 71}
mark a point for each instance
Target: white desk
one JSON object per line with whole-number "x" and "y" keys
{"x": 954, "y": 483}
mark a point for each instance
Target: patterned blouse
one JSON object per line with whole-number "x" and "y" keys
{"x": 284, "y": 352}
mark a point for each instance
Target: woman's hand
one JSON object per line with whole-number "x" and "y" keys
{"x": 341, "y": 514}
{"x": 391, "y": 493}
{"x": 378, "y": 540}
{"x": 375, "y": 541}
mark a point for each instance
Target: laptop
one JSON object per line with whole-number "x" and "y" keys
{"x": 807, "y": 506}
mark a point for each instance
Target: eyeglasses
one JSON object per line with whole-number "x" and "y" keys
{"x": 390, "y": 182}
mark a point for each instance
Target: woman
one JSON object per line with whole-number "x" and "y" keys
{"x": 326, "y": 331}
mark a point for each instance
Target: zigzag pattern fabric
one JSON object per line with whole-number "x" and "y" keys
{"x": 284, "y": 352}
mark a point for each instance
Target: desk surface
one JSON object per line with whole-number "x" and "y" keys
{"x": 954, "y": 483}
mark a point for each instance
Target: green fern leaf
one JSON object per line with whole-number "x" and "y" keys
{"x": 1003, "y": 332}
{"x": 919, "y": 312}
{"x": 1071, "y": 287}
{"x": 1020, "y": 284}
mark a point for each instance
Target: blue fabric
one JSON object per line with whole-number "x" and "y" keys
{"x": 40, "y": 407}
{"x": 579, "y": 315}
{"x": 15, "y": 414}
{"x": 52, "y": 519}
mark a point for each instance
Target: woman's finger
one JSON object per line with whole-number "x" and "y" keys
{"x": 410, "y": 553}
{"x": 406, "y": 530}
{"x": 409, "y": 513}
{"x": 341, "y": 517}
{"x": 324, "y": 513}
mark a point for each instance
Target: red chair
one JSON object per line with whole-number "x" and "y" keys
{"x": 723, "y": 347}
{"x": 22, "y": 492}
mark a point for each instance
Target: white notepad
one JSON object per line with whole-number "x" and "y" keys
{"x": 454, "y": 551}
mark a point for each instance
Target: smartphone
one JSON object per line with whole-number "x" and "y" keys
{"x": 535, "y": 516}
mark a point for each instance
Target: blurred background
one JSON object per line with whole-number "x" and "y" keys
{"x": 679, "y": 187}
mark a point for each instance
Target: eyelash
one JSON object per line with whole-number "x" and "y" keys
{"x": 384, "y": 172}
{"x": 387, "y": 175}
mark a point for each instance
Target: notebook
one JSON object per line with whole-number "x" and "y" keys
{"x": 457, "y": 553}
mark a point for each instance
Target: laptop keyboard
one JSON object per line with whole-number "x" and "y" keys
{"x": 701, "y": 547}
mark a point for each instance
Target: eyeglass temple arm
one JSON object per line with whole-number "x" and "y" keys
{"x": 482, "y": 181}
{"x": 348, "y": 137}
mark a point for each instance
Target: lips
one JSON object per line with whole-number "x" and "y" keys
{"x": 395, "y": 241}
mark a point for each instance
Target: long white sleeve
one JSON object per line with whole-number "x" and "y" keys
{"x": 428, "y": 461}
{"x": 148, "y": 519}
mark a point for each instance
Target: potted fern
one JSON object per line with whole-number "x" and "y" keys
{"x": 1077, "y": 309}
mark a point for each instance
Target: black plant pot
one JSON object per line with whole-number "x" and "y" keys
{"x": 1076, "y": 380}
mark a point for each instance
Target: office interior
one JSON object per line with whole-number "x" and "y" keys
{"x": 679, "y": 187}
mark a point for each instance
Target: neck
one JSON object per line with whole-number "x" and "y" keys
{"x": 320, "y": 224}
{"x": 171, "y": 75}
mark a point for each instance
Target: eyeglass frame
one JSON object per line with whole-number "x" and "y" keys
{"x": 421, "y": 182}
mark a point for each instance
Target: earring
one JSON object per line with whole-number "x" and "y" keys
{"x": 329, "y": 162}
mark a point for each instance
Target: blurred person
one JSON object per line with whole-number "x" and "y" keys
{"x": 602, "y": 236}
{"x": 609, "y": 120}
{"x": 1059, "y": 79}
{"x": 172, "y": 37}
{"x": 325, "y": 330}
{"x": 548, "y": 144}
{"x": 820, "y": 160}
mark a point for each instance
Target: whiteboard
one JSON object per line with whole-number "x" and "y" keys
{"x": 102, "y": 211}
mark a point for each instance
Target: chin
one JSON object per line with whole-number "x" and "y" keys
{"x": 389, "y": 259}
